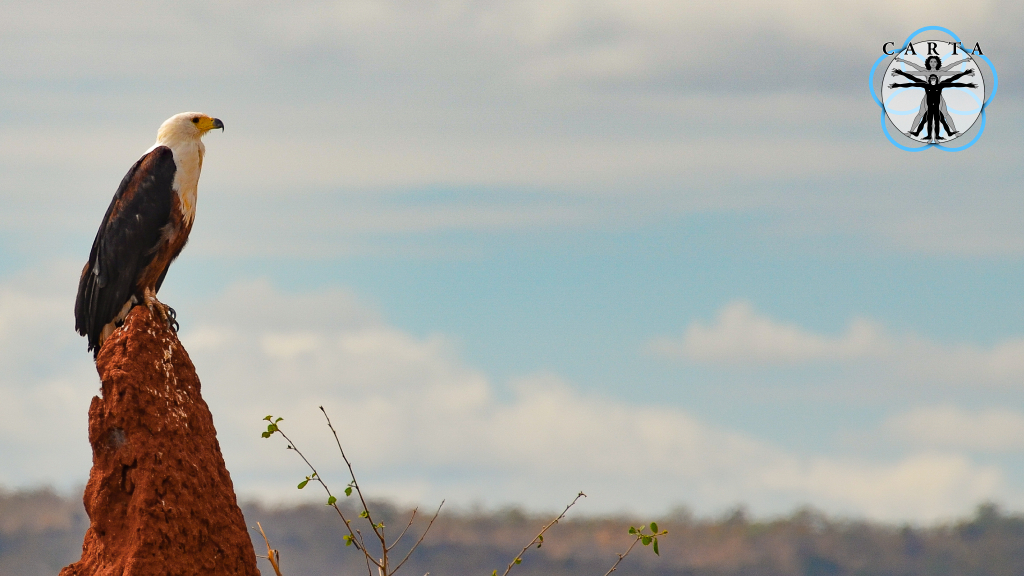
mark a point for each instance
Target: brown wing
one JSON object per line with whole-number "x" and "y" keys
{"x": 125, "y": 242}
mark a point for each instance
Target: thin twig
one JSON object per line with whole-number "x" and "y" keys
{"x": 368, "y": 570}
{"x": 366, "y": 509}
{"x": 273, "y": 555}
{"x": 623, "y": 555}
{"x": 540, "y": 536}
{"x": 407, "y": 526}
{"x": 422, "y": 536}
{"x": 355, "y": 536}
{"x": 357, "y": 539}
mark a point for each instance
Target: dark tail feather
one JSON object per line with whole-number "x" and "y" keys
{"x": 85, "y": 311}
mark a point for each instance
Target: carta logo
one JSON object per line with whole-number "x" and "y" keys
{"x": 933, "y": 91}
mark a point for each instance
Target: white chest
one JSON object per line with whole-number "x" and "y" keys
{"x": 188, "y": 161}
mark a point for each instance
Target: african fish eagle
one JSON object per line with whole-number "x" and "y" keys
{"x": 144, "y": 230}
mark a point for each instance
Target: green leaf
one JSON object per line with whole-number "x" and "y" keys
{"x": 268, "y": 417}
{"x": 632, "y": 530}
{"x": 495, "y": 573}
{"x": 654, "y": 526}
{"x": 519, "y": 560}
{"x": 540, "y": 537}
{"x": 303, "y": 484}
{"x": 348, "y": 491}
{"x": 265, "y": 434}
{"x": 364, "y": 514}
{"x": 331, "y": 501}
{"x": 646, "y": 540}
{"x": 656, "y": 547}
{"x": 348, "y": 539}
{"x": 278, "y": 420}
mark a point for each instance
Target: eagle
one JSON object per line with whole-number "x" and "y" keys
{"x": 144, "y": 230}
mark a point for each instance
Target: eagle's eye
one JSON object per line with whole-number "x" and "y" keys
{"x": 195, "y": 119}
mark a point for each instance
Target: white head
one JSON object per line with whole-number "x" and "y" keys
{"x": 185, "y": 128}
{"x": 182, "y": 133}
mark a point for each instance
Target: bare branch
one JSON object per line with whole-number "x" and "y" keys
{"x": 357, "y": 539}
{"x": 368, "y": 570}
{"x": 355, "y": 484}
{"x": 539, "y": 538}
{"x": 273, "y": 555}
{"x": 407, "y": 526}
{"x": 355, "y": 536}
{"x": 422, "y": 536}
{"x": 623, "y": 555}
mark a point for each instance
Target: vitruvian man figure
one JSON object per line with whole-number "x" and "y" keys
{"x": 933, "y": 105}
{"x": 932, "y": 65}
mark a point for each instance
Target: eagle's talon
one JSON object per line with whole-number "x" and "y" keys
{"x": 161, "y": 310}
{"x": 168, "y": 315}
{"x": 172, "y": 319}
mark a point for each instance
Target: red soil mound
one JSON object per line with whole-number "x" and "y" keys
{"x": 159, "y": 498}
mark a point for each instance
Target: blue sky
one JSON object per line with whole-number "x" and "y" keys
{"x": 526, "y": 248}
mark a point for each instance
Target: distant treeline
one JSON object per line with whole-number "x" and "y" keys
{"x": 40, "y": 532}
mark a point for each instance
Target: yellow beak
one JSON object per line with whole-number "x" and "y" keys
{"x": 206, "y": 124}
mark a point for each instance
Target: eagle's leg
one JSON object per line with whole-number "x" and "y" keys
{"x": 165, "y": 312}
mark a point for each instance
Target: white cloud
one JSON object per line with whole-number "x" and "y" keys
{"x": 602, "y": 40}
{"x": 421, "y": 425}
{"x": 46, "y": 380}
{"x": 949, "y": 427}
{"x": 742, "y": 337}
{"x": 424, "y": 425}
{"x": 616, "y": 112}
{"x": 927, "y": 486}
